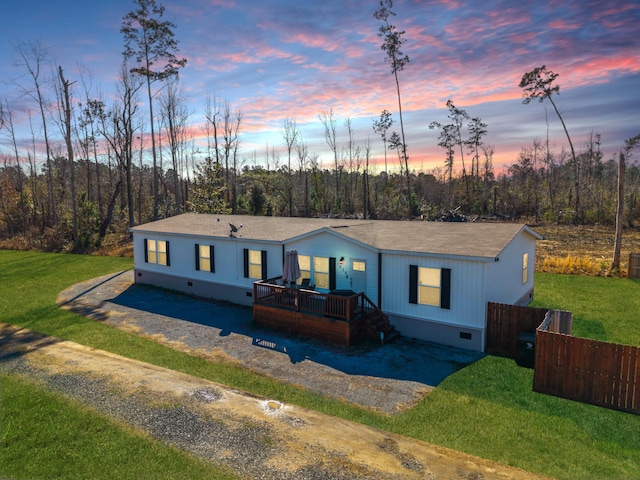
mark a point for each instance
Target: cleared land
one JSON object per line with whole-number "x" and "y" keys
{"x": 583, "y": 249}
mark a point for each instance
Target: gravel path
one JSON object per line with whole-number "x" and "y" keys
{"x": 388, "y": 379}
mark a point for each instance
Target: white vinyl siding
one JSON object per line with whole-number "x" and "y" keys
{"x": 505, "y": 281}
{"x": 467, "y": 303}
{"x": 329, "y": 245}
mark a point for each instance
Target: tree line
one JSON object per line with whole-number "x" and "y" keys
{"x": 85, "y": 173}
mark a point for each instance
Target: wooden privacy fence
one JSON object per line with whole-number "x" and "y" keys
{"x": 505, "y": 323}
{"x": 634, "y": 265}
{"x": 589, "y": 371}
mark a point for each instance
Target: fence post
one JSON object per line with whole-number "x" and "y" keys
{"x": 634, "y": 265}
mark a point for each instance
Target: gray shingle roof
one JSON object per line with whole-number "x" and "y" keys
{"x": 485, "y": 240}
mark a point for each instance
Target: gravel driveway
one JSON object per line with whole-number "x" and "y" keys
{"x": 388, "y": 378}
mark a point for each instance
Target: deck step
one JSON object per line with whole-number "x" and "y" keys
{"x": 391, "y": 336}
{"x": 380, "y": 324}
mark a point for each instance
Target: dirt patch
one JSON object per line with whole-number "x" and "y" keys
{"x": 583, "y": 249}
{"x": 256, "y": 437}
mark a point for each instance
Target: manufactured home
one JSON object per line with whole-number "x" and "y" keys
{"x": 430, "y": 280}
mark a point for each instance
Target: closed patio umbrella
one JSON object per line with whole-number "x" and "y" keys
{"x": 290, "y": 268}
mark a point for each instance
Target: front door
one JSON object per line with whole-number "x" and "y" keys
{"x": 358, "y": 275}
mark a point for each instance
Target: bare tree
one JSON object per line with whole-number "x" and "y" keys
{"x": 487, "y": 177}
{"x": 538, "y": 83}
{"x": 6, "y": 122}
{"x": 328, "y": 120}
{"x": 175, "y": 117}
{"x": 230, "y": 144}
{"x": 617, "y": 244}
{"x": 381, "y": 126}
{"x": 476, "y": 129}
{"x": 33, "y": 57}
{"x": 392, "y": 42}
{"x": 118, "y": 127}
{"x": 458, "y": 116}
{"x": 320, "y": 199}
{"x": 290, "y": 134}
{"x": 66, "y": 126}
{"x": 447, "y": 140}
{"x": 87, "y": 123}
{"x": 303, "y": 159}
{"x": 38, "y": 202}
{"x": 149, "y": 40}
{"x": 213, "y": 112}
{"x": 353, "y": 154}
{"x": 629, "y": 144}
{"x": 365, "y": 180}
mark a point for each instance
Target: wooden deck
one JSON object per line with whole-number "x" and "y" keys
{"x": 339, "y": 318}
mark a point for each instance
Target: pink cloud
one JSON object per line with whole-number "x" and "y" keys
{"x": 310, "y": 39}
{"x": 564, "y": 24}
{"x": 508, "y": 17}
{"x": 613, "y": 8}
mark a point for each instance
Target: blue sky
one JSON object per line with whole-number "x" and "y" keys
{"x": 295, "y": 59}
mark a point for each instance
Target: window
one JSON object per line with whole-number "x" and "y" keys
{"x": 430, "y": 286}
{"x": 525, "y": 267}
{"x": 358, "y": 266}
{"x": 304, "y": 262}
{"x": 255, "y": 264}
{"x": 156, "y": 251}
{"x": 204, "y": 258}
{"x": 321, "y": 272}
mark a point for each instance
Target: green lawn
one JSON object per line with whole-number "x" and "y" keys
{"x": 486, "y": 409}
{"x": 606, "y": 309}
{"x": 47, "y": 436}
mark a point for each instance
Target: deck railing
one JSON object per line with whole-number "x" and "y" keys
{"x": 341, "y": 307}
{"x": 302, "y": 307}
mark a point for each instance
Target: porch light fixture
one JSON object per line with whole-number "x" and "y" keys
{"x": 342, "y": 261}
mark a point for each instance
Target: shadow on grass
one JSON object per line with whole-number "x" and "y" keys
{"x": 502, "y": 382}
{"x": 90, "y": 310}
{"x": 16, "y": 342}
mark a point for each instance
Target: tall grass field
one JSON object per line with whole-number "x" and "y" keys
{"x": 487, "y": 409}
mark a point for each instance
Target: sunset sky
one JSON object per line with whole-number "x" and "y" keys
{"x": 280, "y": 59}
